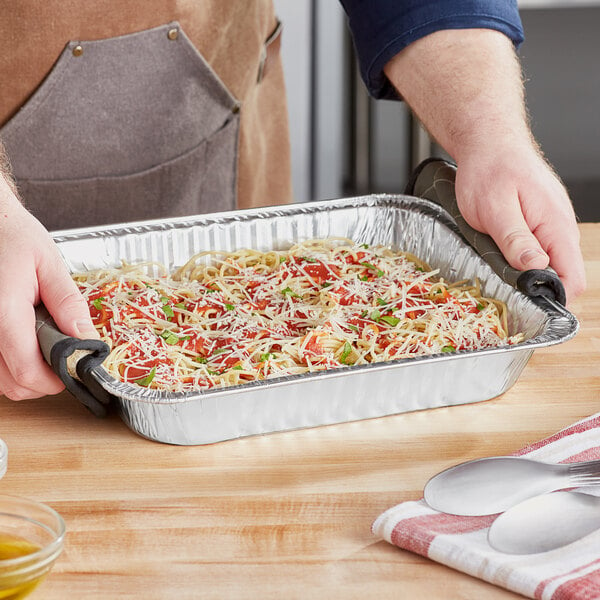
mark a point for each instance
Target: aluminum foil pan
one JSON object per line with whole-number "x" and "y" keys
{"x": 346, "y": 394}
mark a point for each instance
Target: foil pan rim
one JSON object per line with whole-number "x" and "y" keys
{"x": 249, "y": 214}
{"x": 560, "y": 326}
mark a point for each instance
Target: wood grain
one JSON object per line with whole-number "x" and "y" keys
{"x": 281, "y": 515}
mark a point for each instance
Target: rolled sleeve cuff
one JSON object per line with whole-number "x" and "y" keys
{"x": 377, "y": 45}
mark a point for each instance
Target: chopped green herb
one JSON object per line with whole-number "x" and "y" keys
{"x": 220, "y": 351}
{"x": 266, "y": 356}
{"x": 393, "y": 321}
{"x": 169, "y": 337}
{"x": 326, "y": 284}
{"x": 180, "y": 305}
{"x": 365, "y": 246}
{"x": 376, "y": 316}
{"x": 379, "y": 272}
{"x": 146, "y": 381}
{"x": 363, "y": 314}
{"x": 448, "y": 349}
{"x": 288, "y": 292}
{"x": 282, "y": 259}
{"x": 345, "y": 352}
{"x": 353, "y": 328}
{"x": 98, "y": 303}
{"x": 200, "y": 359}
{"x": 363, "y": 278}
{"x": 210, "y": 290}
{"x": 237, "y": 368}
{"x": 168, "y": 312}
{"x": 309, "y": 260}
{"x": 480, "y": 306}
{"x": 229, "y": 306}
{"x": 381, "y": 302}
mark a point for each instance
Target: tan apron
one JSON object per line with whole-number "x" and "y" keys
{"x": 140, "y": 126}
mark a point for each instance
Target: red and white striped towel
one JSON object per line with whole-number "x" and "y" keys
{"x": 568, "y": 573}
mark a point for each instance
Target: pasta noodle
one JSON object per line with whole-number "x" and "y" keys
{"x": 226, "y": 318}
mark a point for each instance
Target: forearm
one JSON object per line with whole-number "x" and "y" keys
{"x": 466, "y": 88}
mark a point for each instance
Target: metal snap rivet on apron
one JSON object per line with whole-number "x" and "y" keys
{"x": 235, "y": 109}
{"x": 78, "y": 50}
{"x": 173, "y": 34}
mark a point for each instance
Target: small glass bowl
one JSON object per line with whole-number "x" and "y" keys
{"x": 31, "y": 539}
{"x": 3, "y": 458}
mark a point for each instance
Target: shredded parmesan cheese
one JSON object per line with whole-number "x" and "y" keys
{"x": 225, "y": 318}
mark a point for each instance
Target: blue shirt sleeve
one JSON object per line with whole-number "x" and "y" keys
{"x": 381, "y": 28}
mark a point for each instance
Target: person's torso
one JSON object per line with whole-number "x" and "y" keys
{"x": 142, "y": 101}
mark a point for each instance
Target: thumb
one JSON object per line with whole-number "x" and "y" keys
{"x": 64, "y": 302}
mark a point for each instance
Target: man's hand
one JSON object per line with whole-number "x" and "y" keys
{"x": 32, "y": 271}
{"x": 517, "y": 199}
{"x": 466, "y": 88}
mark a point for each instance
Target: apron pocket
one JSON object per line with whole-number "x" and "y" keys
{"x": 203, "y": 177}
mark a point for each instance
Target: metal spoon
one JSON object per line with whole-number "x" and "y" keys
{"x": 487, "y": 486}
{"x": 545, "y": 522}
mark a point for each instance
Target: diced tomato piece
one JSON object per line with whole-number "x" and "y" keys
{"x": 317, "y": 270}
{"x": 107, "y": 290}
{"x": 471, "y": 308}
{"x": 321, "y": 272}
{"x": 196, "y": 343}
{"x": 358, "y": 322}
{"x": 259, "y": 304}
{"x": 134, "y": 372}
{"x": 441, "y": 296}
{"x": 313, "y": 344}
{"x": 202, "y": 309}
{"x": 356, "y": 259}
{"x": 230, "y": 361}
{"x": 101, "y": 318}
{"x": 344, "y": 296}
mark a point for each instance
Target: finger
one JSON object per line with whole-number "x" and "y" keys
{"x": 554, "y": 224}
{"x": 503, "y": 220}
{"x": 64, "y": 302}
{"x": 13, "y": 390}
{"x": 565, "y": 258}
{"x": 23, "y": 372}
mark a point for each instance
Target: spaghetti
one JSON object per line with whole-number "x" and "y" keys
{"x": 226, "y": 318}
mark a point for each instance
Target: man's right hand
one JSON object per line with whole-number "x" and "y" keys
{"x": 32, "y": 271}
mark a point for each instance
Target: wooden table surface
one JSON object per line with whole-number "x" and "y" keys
{"x": 281, "y": 515}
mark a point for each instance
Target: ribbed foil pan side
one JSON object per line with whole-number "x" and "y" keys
{"x": 351, "y": 393}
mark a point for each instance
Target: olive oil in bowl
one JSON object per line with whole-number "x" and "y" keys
{"x": 11, "y": 547}
{"x": 31, "y": 539}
